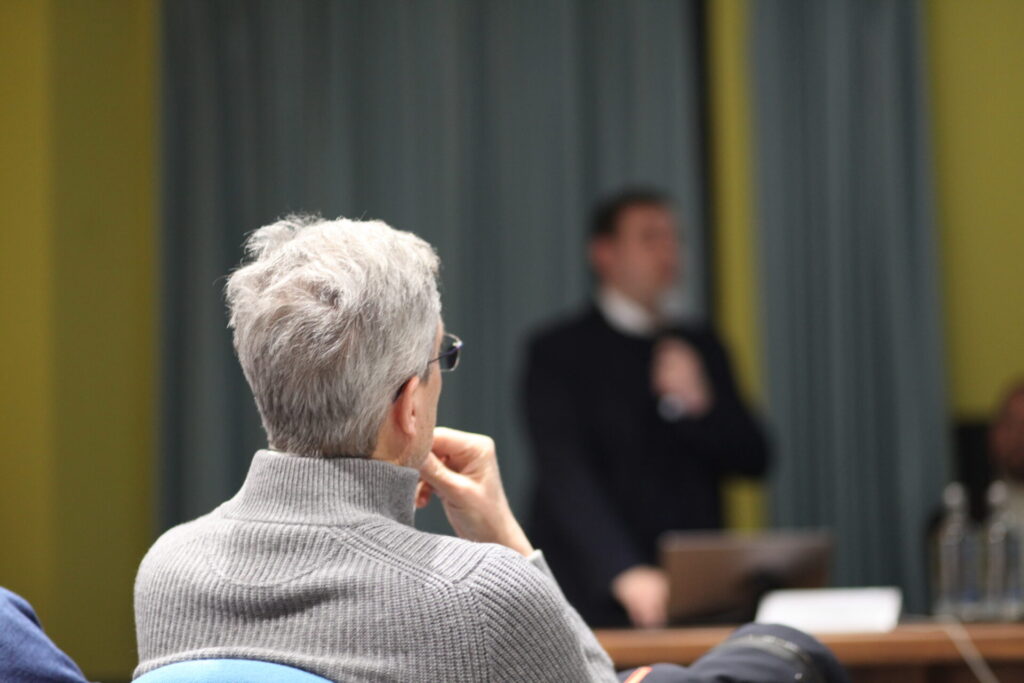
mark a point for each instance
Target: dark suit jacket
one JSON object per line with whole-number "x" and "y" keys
{"x": 611, "y": 474}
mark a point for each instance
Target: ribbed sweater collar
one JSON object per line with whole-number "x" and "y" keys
{"x": 281, "y": 487}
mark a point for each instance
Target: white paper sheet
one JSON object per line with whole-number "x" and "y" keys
{"x": 833, "y": 610}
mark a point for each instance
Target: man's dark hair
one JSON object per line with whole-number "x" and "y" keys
{"x": 605, "y": 219}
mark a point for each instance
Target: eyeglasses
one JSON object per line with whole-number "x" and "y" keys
{"x": 448, "y": 359}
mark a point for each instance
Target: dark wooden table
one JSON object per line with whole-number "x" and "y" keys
{"x": 912, "y": 653}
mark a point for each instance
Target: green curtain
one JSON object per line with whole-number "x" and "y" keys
{"x": 486, "y": 127}
{"x": 850, "y": 293}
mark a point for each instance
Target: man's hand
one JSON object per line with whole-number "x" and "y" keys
{"x": 462, "y": 469}
{"x": 643, "y": 591}
{"x": 677, "y": 376}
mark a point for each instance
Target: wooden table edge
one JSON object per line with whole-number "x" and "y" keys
{"x": 912, "y": 644}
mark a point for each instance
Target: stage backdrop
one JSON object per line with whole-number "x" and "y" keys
{"x": 486, "y": 127}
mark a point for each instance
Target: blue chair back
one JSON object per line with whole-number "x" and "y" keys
{"x": 228, "y": 671}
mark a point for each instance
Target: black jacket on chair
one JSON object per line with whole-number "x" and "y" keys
{"x": 611, "y": 474}
{"x": 755, "y": 653}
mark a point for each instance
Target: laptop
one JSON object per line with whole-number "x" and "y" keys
{"x": 719, "y": 577}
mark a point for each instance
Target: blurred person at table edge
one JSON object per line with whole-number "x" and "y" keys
{"x": 1006, "y": 446}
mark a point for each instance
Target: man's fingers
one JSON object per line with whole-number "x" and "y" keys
{"x": 440, "y": 478}
{"x": 460, "y": 449}
{"x": 641, "y": 615}
{"x": 423, "y": 493}
{"x": 449, "y": 443}
{"x": 647, "y": 615}
{"x": 451, "y": 439}
{"x": 656, "y": 616}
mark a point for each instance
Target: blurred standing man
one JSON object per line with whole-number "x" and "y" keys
{"x": 634, "y": 420}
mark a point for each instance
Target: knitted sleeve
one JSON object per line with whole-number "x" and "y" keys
{"x": 532, "y": 633}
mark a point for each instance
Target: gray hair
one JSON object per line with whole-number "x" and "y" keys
{"x": 329, "y": 319}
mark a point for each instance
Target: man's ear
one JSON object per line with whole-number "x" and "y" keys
{"x": 403, "y": 409}
{"x": 599, "y": 250}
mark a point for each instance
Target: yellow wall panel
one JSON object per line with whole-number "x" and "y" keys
{"x": 27, "y": 511}
{"x": 104, "y": 128}
{"x": 735, "y": 266}
{"x": 77, "y": 283}
{"x": 976, "y": 55}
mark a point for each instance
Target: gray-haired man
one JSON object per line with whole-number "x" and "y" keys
{"x": 315, "y": 563}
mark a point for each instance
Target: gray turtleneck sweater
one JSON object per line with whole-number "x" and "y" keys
{"x": 315, "y": 564}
